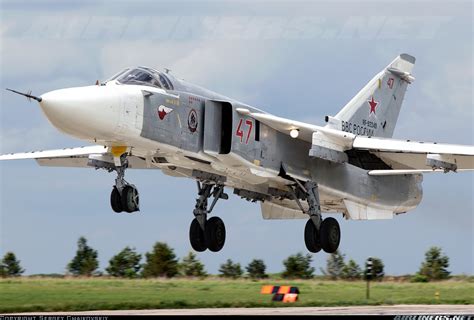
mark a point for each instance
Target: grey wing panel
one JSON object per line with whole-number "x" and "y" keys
{"x": 401, "y": 154}
{"x": 82, "y": 162}
{"x": 422, "y": 161}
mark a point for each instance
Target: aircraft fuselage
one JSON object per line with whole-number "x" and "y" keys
{"x": 189, "y": 129}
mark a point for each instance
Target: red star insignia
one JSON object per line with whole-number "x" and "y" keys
{"x": 373, "y": 104}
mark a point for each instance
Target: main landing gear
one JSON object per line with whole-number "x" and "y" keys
{"x": 318, "y": 233}
{"x": 203, "y": 233}
{"x": 124, "y": 196}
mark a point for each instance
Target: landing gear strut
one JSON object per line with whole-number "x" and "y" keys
{"x": 124, "y": 196}
{"x": 207, "y": 234}
{"x": 318, "y": 233}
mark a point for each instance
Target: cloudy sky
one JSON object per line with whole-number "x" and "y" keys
{"x": 301, "y": 60}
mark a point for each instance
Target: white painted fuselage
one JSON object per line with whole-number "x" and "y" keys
{"x": 112, "y": 115}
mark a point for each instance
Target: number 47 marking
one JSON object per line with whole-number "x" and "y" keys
{"x": 240, "y": 133}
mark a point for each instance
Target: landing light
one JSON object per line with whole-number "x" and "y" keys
{"x": 294, "y": 133}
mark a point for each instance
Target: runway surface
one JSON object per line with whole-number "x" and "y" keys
{"x": 360, "y": 310}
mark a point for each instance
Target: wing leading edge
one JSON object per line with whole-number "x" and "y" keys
{"x": 81, "y": 157}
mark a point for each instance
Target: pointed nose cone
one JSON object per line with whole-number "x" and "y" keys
{"x": 58, "y": 104}
{"x": 84, "y": 112}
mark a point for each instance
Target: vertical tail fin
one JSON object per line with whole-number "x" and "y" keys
{"x": 374, "y": 110}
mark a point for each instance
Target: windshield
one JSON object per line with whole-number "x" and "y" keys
{"x": 164, "y": 80}
{"x": 139, "y": 76}
{"x": 115, "y": 76}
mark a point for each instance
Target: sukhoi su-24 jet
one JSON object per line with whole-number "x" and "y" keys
{"x": 146, "y": 119}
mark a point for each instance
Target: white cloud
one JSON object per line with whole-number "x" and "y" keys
{"x": 33, "y": 139}
{"x": 450, "y": 84}
{"x": 43, "y": 59}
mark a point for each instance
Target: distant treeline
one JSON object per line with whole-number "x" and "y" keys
{"x": 161, "y": 261}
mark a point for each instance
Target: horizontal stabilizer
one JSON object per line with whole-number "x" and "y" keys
{"x": 359, "y": 211}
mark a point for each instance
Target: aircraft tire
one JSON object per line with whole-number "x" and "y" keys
{"x": 116, "y": 201}
{"x": 330, "y": 235}
{"x": 311, "y": 237}
{"x": 130, "y": 199}
{"x": 215, "y": 234}
{"x": 197, "y": 237}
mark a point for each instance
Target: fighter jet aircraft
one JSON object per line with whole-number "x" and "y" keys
{"x": 143, "y": 118}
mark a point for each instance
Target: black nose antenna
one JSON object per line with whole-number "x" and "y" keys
{"x": 28, "y": 95}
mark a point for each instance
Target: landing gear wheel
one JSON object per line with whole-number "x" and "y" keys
{"x": 116, "y": 200}
{"x": 330, "y": 235}
{"x": 215, "y": 234}
{"x": 311, "y": 237}
{"x": 197, "y": 236}
{"x": 130, "y": 199}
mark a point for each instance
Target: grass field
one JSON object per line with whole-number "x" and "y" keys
{"x": 48, "y": 294}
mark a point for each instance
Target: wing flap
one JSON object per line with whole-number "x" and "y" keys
{"x": 423, "y": 161}
{"x": 408, "y": 146}
{"x": 68, "y": 162}
{"x": 401, "y": 154}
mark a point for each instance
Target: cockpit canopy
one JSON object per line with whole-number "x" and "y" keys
{"x": 143, "y": 76}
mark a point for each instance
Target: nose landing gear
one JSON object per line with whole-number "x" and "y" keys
{"x": 116, "y": 200}
{"x": 130, "y": 199}
{"x": 124, "y": 196}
